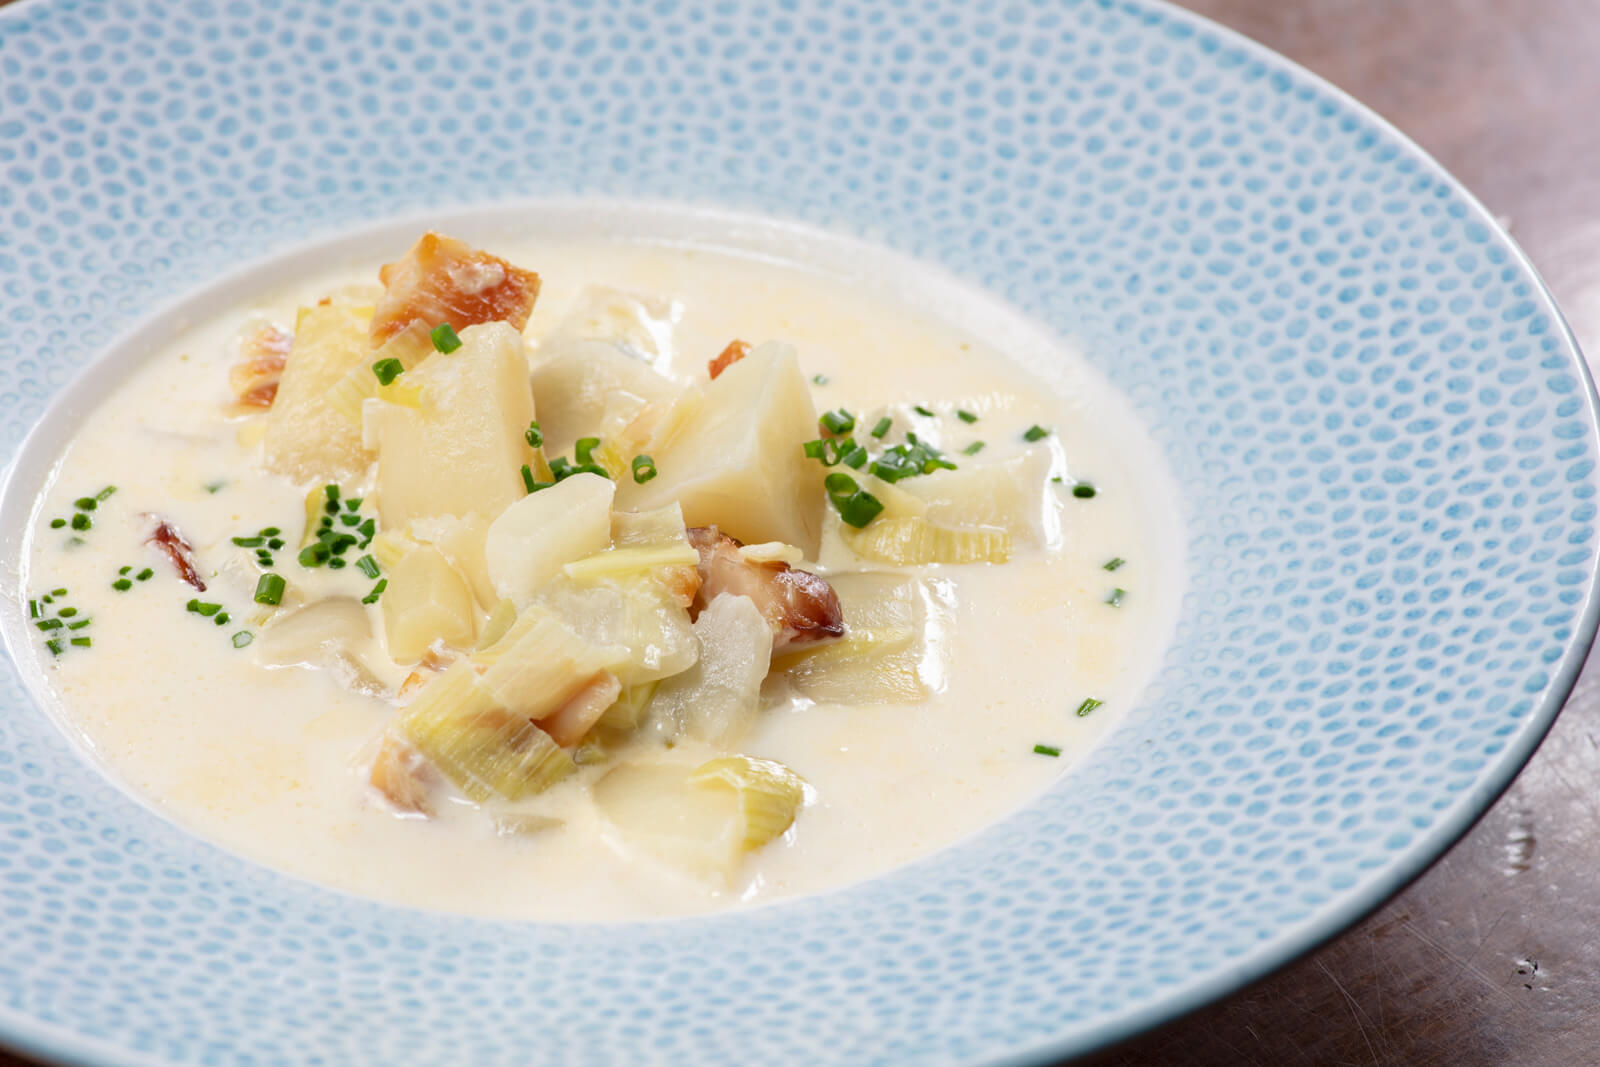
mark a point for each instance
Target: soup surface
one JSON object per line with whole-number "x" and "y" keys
{"x": 265, "y": 743}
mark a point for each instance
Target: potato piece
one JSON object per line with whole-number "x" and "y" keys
{"x": 464, "y": 449}
{"x": 425, "y": 600}
{"x": 716, "y": 698}
{"x": 531, "y": 540}
{"x": 584, "y": 385}
{"x": 462, "y": 542}
{"x": 1012, "y": 496}
{"x": 306, "y": 438}
{"x": 741, "y": 465}
{"x": 657, "y": 809}
{"x": 643, "y": 615}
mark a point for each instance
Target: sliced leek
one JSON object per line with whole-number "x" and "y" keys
{"x": 655, "y": 528}
{"x": 543, "y": 665}
{"x": 623, "y": 562}
{"x": 500, "y": 621}
{"x": 891, "y": 651}
{"x": 908, "y": 541}
{"x": 769, "y": 793}
{"x": 628, "y": 710}
{"x": 410, "y": 346}
{"x": 486, "y": 751}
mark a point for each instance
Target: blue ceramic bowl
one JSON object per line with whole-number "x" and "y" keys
{"x": 1384, "y": 433}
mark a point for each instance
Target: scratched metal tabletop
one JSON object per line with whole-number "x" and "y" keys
{"x": 1491, "y": 957}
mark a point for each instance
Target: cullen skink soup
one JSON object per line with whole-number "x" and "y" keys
{"x": 595, "y": 580}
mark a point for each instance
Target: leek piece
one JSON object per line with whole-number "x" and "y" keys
{"x": 716, "y": 698}
{"x": 486, "y": 751}
{"x": 390, "y": 547}
{"x": 627, "y": 712}
{"x": 914, "y": 541}
{"x": 500, "y": 621}
{"x": 543, "y": 665}
{"x": 426, "y": 600}
{"x": 638, "y": 614}
{"x": 769, "y": 793}
{"x": 658, "y": 527}
{"x": 311, "y": 635}
{"x": 530, "y": 541}
{"x": 889, "y": 652}
{"x": 410, "y": 346}
{"x": 621, "y": 562}
{"x": 570, "y": 723}
{"x": 1013, "y": 496}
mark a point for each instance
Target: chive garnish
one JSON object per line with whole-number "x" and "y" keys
{"x": 275, "y": 544}
{"x": 1047, "y": 750}
{"x": 1088, "y": 705}
{"x": 59, "y": 592}
{"x": 1035, "y": 433}
{"x": 368, "y": 566}
{"x": 54, "y": 646}
{"x": 33, "y": 608}
{"x": 974, "y": 448}
{"x": 819, "y": 379}
{"x": 837, "y": 422}
{"x": 882, "y": 426}
{"x": 242, "y": 638}
{"x": 966, "y": 416}
{"x": 205, "y": 608}
{"x": 269, "y": 589}
{"x": 1083, "y": 491}
{"x": 816, "y": 449}
{"x": 349, "y": 519}
{"x": 445, "y": 338}
{"x": 105, "y": 494}
{"x": 527, "y": 477}
{"x": 80, "y": 624}
{"x": 46, "y": 625}
{"x": 124, "y": 570}
{"x": 336, "y": 564}
{"x": 81, "y": 521}
{"x": 855, "y": 505}
{"x": 387, "y": 370}
{"x": 351, "y": 503}
{"x": 122, "y": 585}
{"x": 221, "y": 619}
{"x": 83, "y": 642}
{"x": 377, "y": 591}
{"x": 1115, "y": 562}
{"x": 534, "y": 435}
{"x": 1115, "y": 599}
{"x": 921, "y": 410}
{"x": 56, "y": 524}
{"x": 583, "y": 450}
{"x": 314, "y": 555}
{"x": 855, "y": 456}
{"x": 368, "y": 529}
{"x": 249, "y": 542}
{"x": 86, "y": 503}
{"x": 644, "y": 468}
{"x": 270, "y": 531}
{"x": 67, "y": 613}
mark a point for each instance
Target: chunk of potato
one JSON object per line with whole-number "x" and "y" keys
{"x": 426, "y": 600}
{"x": 531, "y": 540}
{"x": 463, "y": 450}
{"x": 1012, "y": 495}
{"x": 307, "y": 439}
{"x": 583, "y": 385}
{"x": 462, "y": 542}
{"x": 741, "y": 465}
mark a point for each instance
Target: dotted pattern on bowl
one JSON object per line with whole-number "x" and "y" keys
{"x": 1385, "y": 440}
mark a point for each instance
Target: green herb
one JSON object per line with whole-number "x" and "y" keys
{"x": 816, "y": 449}
{"x": 350, "y": 520}
{"x": 59, "y": 592}
{"x": 243, "y": 638}
{"x": 966, "y": 416}
{"x": 46, "y": 625}
{"x": 33, "y": 609}
{"x": 1115, "y": 562}
{"x": 644, "y": 468}
{"x": 1035, "y": 433}
{"x": 1047, "y": 750}
{"x": 368, "y": 566}
{"x": 855, "y": 505}
{"x": 527, "y": 478}
{"x": 86, "y": 503}
{"x": 249, "y": 542}
{"x": 79, "y": 625}
{"x": 205, "y": 608}
{"x": 124, "y": 570}
{"x": 534, "y": 435}
{"x": 387, "y": 370}
{"x": 1115, "y": 599}
{"x": 974, "y": 448}
{"x": 819, "y": 379}
{"x": 56, "y": 524}
{"x": 67, "y": 613}
{"x": 855, "y": 456}
{"x": 882, "y": 426}
{"x": 55, "y": 647}
{"x": 837, "y": 422}
{"x": 367, "y": 530}
{"x": 270, "y": 531}
{"x": 920, "y": 410}
{"x": 1088, "y": 705}
{"x": 583, "y": 449}
{"x": 377, "y": 591}
{"x": 215, "y": 487}
{"x": 145, "y": 575}
{"x": 351, "y": 503}
{"x": 221, "y": 619}
{"x": 83, "y": 642}
{"x": 1083, "y": 491}
{"x": 445, "y": 338}
{"x": 105, "y": 494}
{"x": 122, "y": 585}
{"x": 81, "y": 521}
{"x": 315, "y": 555}
{"x": 269, "y": 589}
{"x": 275, "y": 544}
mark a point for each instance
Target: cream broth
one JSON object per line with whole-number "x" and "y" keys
{"x": 270, "y": 762}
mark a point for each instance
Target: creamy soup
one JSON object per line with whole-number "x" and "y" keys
{"x": 943, "y": 696}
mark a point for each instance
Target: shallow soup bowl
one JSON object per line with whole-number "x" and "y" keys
{"x": 1380, "y": 432}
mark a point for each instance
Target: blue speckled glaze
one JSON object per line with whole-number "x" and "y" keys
{"x": 1384, "y": 432}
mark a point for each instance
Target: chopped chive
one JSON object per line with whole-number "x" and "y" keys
{"x": 86, "y": 503}
{"x": 368, "y": 528}
{"x": 314, "y": 555}
{"x": 855, "y": 505}
{"x": 1115, "y": 599}
{"x": 74, "y": 542}
{"x": 527, "y": 477}
{"x": 445, "y": 338}
{"x": 819, "y": 379}
{"x": 368, "y": 565}
{"x": 583, "y": 449}
{"x": 966, "y": 416}
{"x": 350, "y": 520}
{"x": 81, "y": 521}
{"x": 56, "y": 524}
{"x": 242, "y": 638}
{"x": 206, "y": 608}
{"x": 1115, "y": 562}
{"x": 269, "y": 589}
{"x": 1035, "y": 433}
{"x": 145, "y": 575}
{"x": 47, "y": 598}
{"x": 124, "y": 570}
{"x": 122, "y": 585}
{"x": 1083, "y": 491}
{"x": 815, "y": 449}
{"x": 327, "y": 523}
{"x": 33, "y": 609}
{"x": 351, "y": 503}
{"x": 55, "y": 646}
{"x": 336, "y": 564}
{"x": 249, "y": 542}
{"x": 80, "y": 624}
{"x": 275, "y": 544}
{"x": 855, "y": 457}
{"x": 59, "y": 592}
{"x": 377, "y": 591}
{"x": 105, "y": 494}
{"x": 587, "y": 468}
{"x": 921, "y": 410}
{"x": 215, "y": 487}
{"x": 644, "y": 468}
{"x": 221, "y": 619}
{"x": 387, "y": 370}
{"x": 331, "y": 491}
{"x": 974, "y": 448}
{"x": 46, "y": 625}
{"x": 837, "y": 422}
{"x": 83, "y": 642}
{"x": 535, "y": 436}
{"x": 270, "y": 531}
{"x": 1088, "y": 705}
{"x": 67, "y": 613}
{"x": 1047, "y": 750}
{"x": 882, "y": 426}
